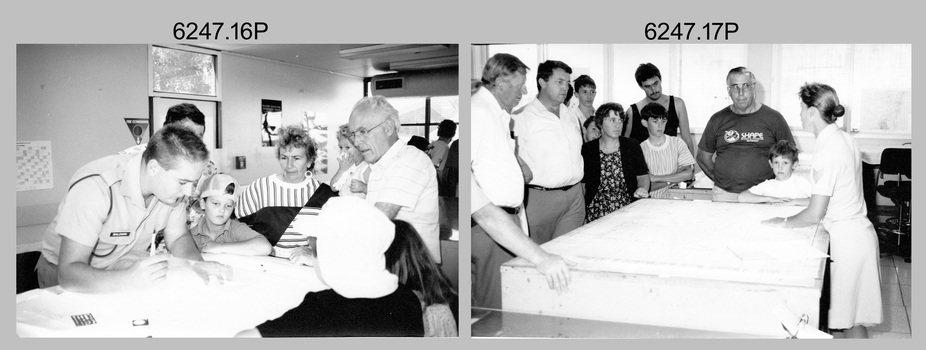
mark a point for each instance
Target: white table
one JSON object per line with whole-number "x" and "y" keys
{"x": 687, "y": 264}
{"x": 261, "y": 288}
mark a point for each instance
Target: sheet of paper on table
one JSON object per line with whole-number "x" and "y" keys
{"x": 261, "y": 288}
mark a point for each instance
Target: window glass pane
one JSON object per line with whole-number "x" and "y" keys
{"x": 702, "y": 79}
{"x": 882, "y": 97}
{"x": 585, "y": 59}
{"x": 184, "y": 72}
{"x": 411, "y": 109}
{"x": 800, "y": 64}
{"x": 406, "y": 132}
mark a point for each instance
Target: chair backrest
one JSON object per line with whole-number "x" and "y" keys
{"x": 896, "y": 161}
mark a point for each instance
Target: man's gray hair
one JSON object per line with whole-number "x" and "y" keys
{"x": 502, "y": 65}
{"x": 742, "y": 71}
{"x": 379, "y": 106}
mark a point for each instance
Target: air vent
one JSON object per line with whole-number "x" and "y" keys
{"x": 389, "y": 84}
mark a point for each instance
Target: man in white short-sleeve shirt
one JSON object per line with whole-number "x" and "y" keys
{"x": 549, "y": 140}
{"x": 497, "y": 187}
{"x": 403, "y": 181}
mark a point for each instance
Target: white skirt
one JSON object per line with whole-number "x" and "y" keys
{"x": 855, "y": 276}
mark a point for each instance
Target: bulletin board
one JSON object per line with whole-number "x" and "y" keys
{"x": 158, "y": 107}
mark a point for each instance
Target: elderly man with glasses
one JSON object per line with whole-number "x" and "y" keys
{"x": 403, "y": 181}
{"x": 733, "y": 151}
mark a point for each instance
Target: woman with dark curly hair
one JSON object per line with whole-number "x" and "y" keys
{"x": 837, "y": 201}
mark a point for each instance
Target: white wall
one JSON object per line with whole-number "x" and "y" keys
{"x": 76, "y": 96}
{"x": 247, "y": 80}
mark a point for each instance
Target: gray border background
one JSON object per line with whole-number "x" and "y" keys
{"x": 463, "y": 22}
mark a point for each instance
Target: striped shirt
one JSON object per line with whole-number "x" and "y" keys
{"x": 666, "y": 158}
{"x": 271, "y": 191}
{"x": 298, "y": 233}
{"x": 405, "y": 176}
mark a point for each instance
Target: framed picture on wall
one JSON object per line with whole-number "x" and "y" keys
{"x": 158, "y": 107}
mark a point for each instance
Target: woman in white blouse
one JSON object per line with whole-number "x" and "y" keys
{"x": 855, "y": 293}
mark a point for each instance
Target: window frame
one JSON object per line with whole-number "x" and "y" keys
{"x": 218, "y": 73}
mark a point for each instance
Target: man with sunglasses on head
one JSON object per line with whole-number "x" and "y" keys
{"x": 403, "y": 181}
{"x": 733, "y": 151}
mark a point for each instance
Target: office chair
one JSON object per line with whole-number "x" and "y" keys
{"x": 897, "y": 161}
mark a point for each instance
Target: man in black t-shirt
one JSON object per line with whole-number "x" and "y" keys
{"x": 733, "y": 151}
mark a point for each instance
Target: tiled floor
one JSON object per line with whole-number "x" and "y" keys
{"x": 896, "y": 299}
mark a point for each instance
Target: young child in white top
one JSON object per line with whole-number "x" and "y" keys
{"x": 795, "y": 190}
{"x": 667, "y": 157}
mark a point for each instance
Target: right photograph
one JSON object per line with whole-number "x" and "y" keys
{"x": 691, "y": 190}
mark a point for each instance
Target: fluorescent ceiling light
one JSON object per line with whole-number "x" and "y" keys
{"x": 381, "y": 50}
{"x": 425, "y": 63}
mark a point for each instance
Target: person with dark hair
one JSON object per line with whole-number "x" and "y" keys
{"x": 103, "y": 235}
{"x": 784, "y": 187}
{"x": 740, "y": 136}
{"x": 293, "y": 187}
{"x": 438, "y": 149}
{"x": 592, "y": 132}
{"x": 615, "y": 169}
{"x": 549, "y": 141}
{"x": 403, "y": 181}
{"x": 649, "y": 79}
{"x": 586, "y": 90}
{"x": 837, "y": 201}
{"x": 499, "y": 227}
{"x": 418, "y": 142}
{"x": 187, "y": 113}
{"x": 365, "y": 298}
{"x": 408, "y": 259}
{"x": 666, "y": 156}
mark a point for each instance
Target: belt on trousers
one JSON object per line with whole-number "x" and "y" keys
{"x": 509, "y": 210}
{"x": 541, "y": 188}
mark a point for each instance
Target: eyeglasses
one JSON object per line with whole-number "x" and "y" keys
{"x": 740, "y": 89}
{"x": 363, "y": 132}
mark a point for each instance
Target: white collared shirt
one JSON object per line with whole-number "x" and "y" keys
{"x": 405, "y": 176}
{"x": 837, "y": 172}
{"x": 494, "y": 166}
{"x": 551, "y": 146}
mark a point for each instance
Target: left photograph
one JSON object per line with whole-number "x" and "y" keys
{"x": 237, "y": 190}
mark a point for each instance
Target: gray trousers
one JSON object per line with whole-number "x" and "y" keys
{"x": 551, "y": 214}
{"x": 487, "y": 259}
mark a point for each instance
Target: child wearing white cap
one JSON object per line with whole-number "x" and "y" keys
{"x": 216, "y": 231}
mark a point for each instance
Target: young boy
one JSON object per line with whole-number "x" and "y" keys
{"x": 782, "y": 157}
{"x": 216, "y": 232}
{"x": 667, "y": 157}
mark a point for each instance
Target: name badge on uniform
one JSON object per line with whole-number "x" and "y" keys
{"x": 119, "y": 234}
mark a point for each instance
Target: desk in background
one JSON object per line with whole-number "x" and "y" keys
{"x": 673, "y": 263}
{"x": 261, "y": 288}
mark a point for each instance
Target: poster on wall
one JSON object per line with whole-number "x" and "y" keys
{"x": 138, "y": 127}
{"x": 271, "y": 121}
{"x": 33, "y": 165}
{"x": 316, "y": 124}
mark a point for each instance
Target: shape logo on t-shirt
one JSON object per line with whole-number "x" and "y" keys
{"x": 731, "y": 136}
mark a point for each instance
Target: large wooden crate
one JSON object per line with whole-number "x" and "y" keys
{"x": 672, "y": 263}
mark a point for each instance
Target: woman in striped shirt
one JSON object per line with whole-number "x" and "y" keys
{"x": 291, "y": 188}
